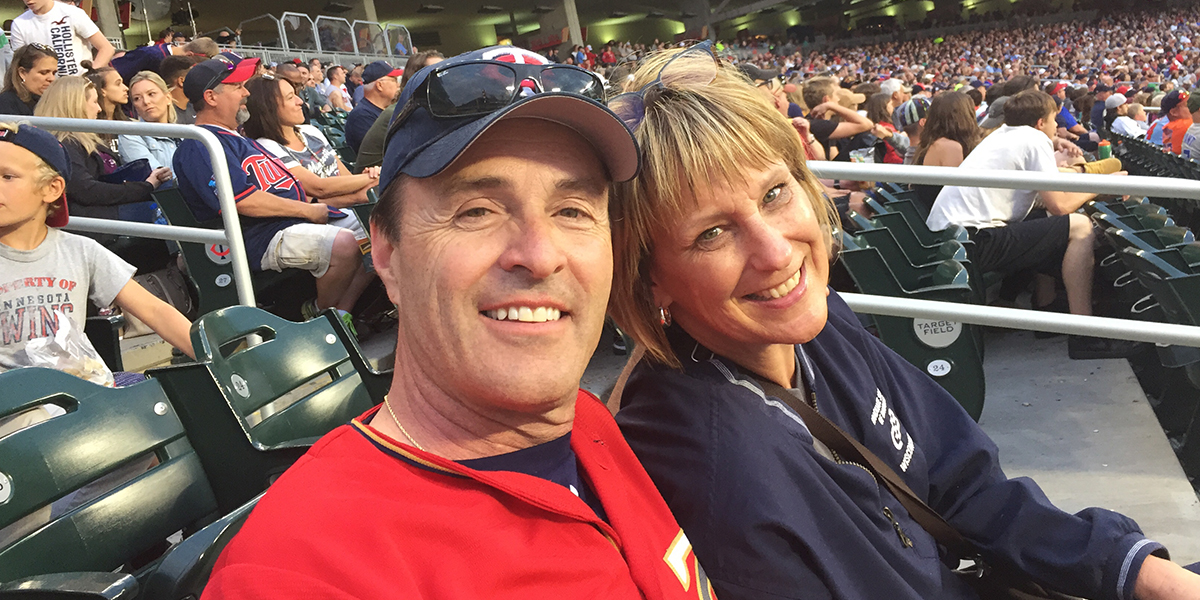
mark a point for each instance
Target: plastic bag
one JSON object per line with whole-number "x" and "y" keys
{"x": 69, "y": 351}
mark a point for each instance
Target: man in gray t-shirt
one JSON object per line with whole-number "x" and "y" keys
{"x": 58, "y": 276}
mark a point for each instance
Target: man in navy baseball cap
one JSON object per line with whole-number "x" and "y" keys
{"x": 381, "y": 85}
{"x": 492, "y": 238}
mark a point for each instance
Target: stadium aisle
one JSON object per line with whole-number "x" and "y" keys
{"x": 1084, "y": 431}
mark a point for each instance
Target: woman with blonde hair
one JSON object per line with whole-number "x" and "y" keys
{"x": 722, "y": 247}
{"x": 74, "y": 97}
{"x": 152, "y": 101}
{"x": 34, "y": 67}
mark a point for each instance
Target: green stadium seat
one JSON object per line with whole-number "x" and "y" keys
{"x": 1132, "y": 222}
{"x": 94, "y": 488}
{"x": 211, "y": 270}
{"x": 950, "y": 352}
{"x": 263, "y": 389}
{"x": 1176, "y": 287}
{"x": 104, "y": 332}
{"x": 186, "y": 567}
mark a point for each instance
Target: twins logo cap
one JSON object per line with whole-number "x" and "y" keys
{"x": 225, "y": 67}
{"x": 423, "y": 145}
{"x": 47, "y": 148}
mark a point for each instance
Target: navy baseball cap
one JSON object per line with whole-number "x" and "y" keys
{"x": 1171, "y": 100}
{"x": 47, "y": 148}
{"x": 423, "y": 146}
{"x": 225, "y": 67}
{"x": 378, "y": 70}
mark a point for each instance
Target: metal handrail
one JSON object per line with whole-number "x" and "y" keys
{"x": 1124, "y": 329}
{"x": 1011, "y": 180}
{"x": 1016, "y": 318}
{"x": 230, "y": 236}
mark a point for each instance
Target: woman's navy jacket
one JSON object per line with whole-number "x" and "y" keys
{"x": 770, "y": 516}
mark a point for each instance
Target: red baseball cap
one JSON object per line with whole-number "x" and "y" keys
{"x": 225, "y": 67}
{"x": 1062, "y": 85}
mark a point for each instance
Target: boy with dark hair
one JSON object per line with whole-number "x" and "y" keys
{"x": 1006, "y": 238}
{"x": 173, "y": 70}
{"x": 47, "y": 274}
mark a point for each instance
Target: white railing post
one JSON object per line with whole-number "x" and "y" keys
{"x": 232, "y": 236}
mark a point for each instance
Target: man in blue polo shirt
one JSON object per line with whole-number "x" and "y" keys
{"x": 282, "y": 229}
{"x": 380, "y": 88}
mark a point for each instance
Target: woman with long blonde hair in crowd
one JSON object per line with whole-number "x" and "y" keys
{"x": 152, "y": 102}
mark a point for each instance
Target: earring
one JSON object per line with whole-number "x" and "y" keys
{"x": 664, "y": 316}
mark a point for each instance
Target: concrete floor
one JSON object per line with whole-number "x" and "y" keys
{"x": 1085, "y": 432}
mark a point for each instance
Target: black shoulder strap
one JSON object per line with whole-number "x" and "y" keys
{"x": 839, "y": 441}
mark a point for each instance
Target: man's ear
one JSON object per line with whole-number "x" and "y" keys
{"x": 210, "y": 97}
{"x": 382, "y": 249}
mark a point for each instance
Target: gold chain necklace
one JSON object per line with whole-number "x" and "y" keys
{"x": 388, "y": 405}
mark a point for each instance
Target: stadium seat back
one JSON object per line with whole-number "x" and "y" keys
{"x": 210, "y": 266}
{"x": 290, "y": 356}
{"x": 263, "y": 390}
{"x": 186, "y": 568}
{"x": 950, "y": 352}
{"x": 95, "y": 487}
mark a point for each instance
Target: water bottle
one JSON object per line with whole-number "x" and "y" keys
{"x": 1105, "y": 150}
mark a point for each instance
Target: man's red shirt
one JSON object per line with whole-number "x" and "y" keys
{"x": 363, "y": 516}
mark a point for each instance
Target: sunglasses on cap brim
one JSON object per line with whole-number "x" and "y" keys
{"x": 481, "y": 87}
{"x": 221, "y": 75}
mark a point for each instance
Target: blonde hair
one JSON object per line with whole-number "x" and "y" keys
{"x": 153, "y": 77}
{"x": 65, "y": 99}
{"x": 692, "y": 134}
{"x": 1134, "y": 110}
{"x": 45, "y": 172}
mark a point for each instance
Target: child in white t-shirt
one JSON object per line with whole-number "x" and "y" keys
{"x": 66, "y": 29}
{"x": 47, "y": 274}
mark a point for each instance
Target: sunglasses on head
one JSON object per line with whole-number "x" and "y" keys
{"x": 631, "y": 106}
{"x": 221, "y": 75}
{"x": 481, "y": 87}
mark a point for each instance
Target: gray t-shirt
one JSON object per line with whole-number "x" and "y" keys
{"x": 61, "y": 274}
{"x": 318, "y": 156}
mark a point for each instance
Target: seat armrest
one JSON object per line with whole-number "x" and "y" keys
{"x": 302, "y": 444}
{"x": 72, "y": 586}
{"x": 104, "y": 332}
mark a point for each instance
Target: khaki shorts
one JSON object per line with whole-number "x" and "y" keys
{"x": 306, "y": 246}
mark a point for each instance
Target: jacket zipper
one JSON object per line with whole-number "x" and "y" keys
{"x": 837, "y": 458}
{"x": 904, "y": 539}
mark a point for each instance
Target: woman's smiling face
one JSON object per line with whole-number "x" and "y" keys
{"x": 748, "y": 266}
